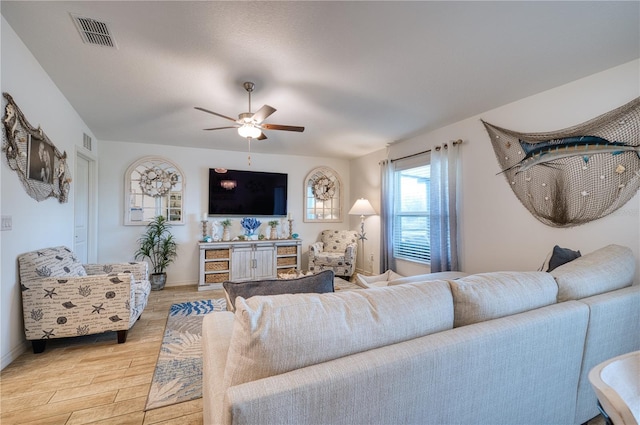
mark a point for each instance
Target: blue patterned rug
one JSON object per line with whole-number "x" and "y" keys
{"x": 178, "y": 373}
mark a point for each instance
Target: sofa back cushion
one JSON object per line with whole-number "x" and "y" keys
{"x": 319, "y": 283}
{"x": 49, "y": 262}
{"x": 487, "y": 296}
{"x": 608, "y": 268}
{"x": 277, "y": 334}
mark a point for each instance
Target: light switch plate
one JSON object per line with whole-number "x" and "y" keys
{"x": 7, "y": 222}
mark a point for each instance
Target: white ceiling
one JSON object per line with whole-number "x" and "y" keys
{"x": 357, "y": 75}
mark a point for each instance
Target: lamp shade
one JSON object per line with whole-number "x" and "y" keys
{"x": 249, "y": 130}
{"x": 362, "y": 207}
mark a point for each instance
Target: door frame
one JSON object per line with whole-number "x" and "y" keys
{"x": 92, "y": 215}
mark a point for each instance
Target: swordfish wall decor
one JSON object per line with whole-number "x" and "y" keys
{"x": 572, "y": 176}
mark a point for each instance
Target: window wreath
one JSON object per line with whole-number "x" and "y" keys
{"x": 156, "y": 182}
{"x": 322, "y": 196}
{"x": 323, "y": 188}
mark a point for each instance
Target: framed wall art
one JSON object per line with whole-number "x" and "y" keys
{"x": 41, "y": 167}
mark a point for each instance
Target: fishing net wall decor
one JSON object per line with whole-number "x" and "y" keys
{"x": 570, "y": 177}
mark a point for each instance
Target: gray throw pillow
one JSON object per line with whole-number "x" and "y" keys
{"x": 319, "y": 283}
{"x": 561, "y": 256}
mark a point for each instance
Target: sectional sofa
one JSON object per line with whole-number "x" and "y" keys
{"x": 491, "y": 348}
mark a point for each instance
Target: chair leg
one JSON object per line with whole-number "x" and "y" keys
{"x": 38, "y": 345}
{"x": 607, "y": 419}
{"x": 122, "y": 337}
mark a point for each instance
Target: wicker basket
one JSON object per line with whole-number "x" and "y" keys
{"x": 287, "y": 261}
{"x": 287, "y": 250}
{"x": 211, "y": 254}
{"x": 214, "y": 266}
{"x": 216, "y": 277}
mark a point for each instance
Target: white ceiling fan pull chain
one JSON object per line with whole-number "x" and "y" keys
{"x": 249, "y": 155}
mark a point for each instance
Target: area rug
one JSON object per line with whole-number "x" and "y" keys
{"x": 178, "y": 374}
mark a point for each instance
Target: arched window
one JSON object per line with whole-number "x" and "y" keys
{"x": 153, "y": 186}
{"x": 322, "y": 196}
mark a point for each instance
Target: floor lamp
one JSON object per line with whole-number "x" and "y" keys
{"x": 362, "y": 207}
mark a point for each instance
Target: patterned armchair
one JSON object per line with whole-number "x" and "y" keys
{"x": 63, "y": 298}
{"x": 336, "y": 251}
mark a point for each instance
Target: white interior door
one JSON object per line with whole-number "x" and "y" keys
{"x": 81, "y": 209}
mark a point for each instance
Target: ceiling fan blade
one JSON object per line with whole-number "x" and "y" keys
{"x": 262, "y": 113}
{"x": 281, "y": 127}
{"x": 221, "y": 128}
{"x": 262, "y": 136}
{"x": 214, "y": 113}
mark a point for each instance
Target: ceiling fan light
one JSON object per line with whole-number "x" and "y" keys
{"x": 249, "y": 130}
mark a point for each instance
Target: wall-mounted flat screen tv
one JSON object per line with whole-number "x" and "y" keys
{"x": 239, "y": 192}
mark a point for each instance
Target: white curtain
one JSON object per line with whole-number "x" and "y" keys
{"x": 387, "y": 262}
{"x": 444, "y": 207}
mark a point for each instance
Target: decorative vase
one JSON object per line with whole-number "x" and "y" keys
{"x": 157, "y": 281}
{"x": 274, "y": 233}
{"x": 226, "y": 235}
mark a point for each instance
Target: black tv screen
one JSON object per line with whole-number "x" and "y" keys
{"x": 238, "y": 192}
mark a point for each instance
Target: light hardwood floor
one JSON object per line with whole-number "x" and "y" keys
{"x": 94, "y": 379}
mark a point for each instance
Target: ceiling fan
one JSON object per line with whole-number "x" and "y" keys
{"x": 251, "y": 125}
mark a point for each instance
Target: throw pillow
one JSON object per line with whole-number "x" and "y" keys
{"x": 561, "y": 256}
{"x": 376, "y": 280}
{"x": 428, "y": 277}
{"x": 317, "y": 283}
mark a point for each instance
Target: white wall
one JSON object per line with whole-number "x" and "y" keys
{"x": 118, "y": 242}
{"x": 497, "y": 232}
{"x": 35, "y": 224}
{"x": 365, "y": 183}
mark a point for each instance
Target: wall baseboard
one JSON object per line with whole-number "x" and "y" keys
{"x": 13, "y": 354}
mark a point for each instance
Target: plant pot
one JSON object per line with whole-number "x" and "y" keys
{"x": 274, "y": 233}
{"x": 157, "y": 281}
{"x": 226, "y": 235}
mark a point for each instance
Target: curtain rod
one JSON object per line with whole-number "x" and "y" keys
{"x": 455, "y": 142}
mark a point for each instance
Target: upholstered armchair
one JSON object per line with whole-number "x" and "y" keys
{"x": 336, "y": 250}
{"x": 63, "y": 298}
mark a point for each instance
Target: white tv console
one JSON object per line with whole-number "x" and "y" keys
{"x": 246, "y": 260}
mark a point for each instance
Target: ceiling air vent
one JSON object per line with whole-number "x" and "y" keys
{"x": 94, "y": 32}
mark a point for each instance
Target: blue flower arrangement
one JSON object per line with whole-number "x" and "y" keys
{"x": 250, "y": 225}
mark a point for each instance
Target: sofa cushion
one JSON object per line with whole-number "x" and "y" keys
{"x": 317, "y": 283}
{"x": 58, "y": 261}
{"x": 608, "y": 268}
{"x": 273, "y": 335}
{"x": 486, "y": 296}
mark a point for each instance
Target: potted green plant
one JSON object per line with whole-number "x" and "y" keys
{"x": 226, "y": 235}
{"x": 274, "y": 233}
{"x": 158, "y": 245}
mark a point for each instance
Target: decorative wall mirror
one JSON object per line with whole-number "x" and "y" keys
{"x": 153, "y": 186}
{"x": 322, "y": 196}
